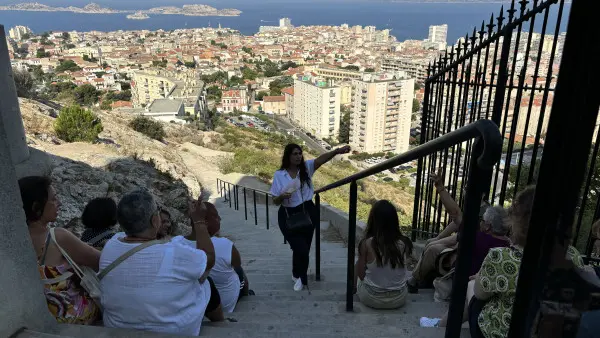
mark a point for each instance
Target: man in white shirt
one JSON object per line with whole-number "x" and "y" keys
{"x": 156, "y": 289}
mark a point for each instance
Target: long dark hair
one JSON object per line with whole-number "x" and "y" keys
{"x": 285, "y": 163}
{"x": 384, "y": 229}
{"x": 34, "y": 195}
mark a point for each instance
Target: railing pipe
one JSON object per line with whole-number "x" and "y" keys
{"x": 318, "y": 239}
{"x": 254, "y": 200}
{"x": 487, "y": 129}
{"x": 351, "y": 246}
{"x": 229, "y": 189}
{"x": 245, "y": 206}
{"x": 267, "y": 208}
{"x": 479, "y": 178}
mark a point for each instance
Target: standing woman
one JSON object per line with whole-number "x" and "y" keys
{"x": 293, "y": 189}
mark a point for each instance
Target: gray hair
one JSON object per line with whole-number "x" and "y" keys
{"x": 496, "y": 217}
{"x": 135, "y": 211}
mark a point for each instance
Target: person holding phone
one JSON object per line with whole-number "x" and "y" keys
{"x": 293, "y": 190}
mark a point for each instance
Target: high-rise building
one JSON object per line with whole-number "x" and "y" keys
{"x": 285, "y": 23}
{"x": 18, "y": 32}
{"x": 317, "y": 106}
{"x": 414, "y": 68}
{"x": 381, "y": 112}
{"x": 438, "y": 36}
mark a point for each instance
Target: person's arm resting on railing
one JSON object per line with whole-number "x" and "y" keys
{"x": 324, "y": 158}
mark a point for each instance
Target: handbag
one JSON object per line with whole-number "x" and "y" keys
{"x": 299, "y": 221}
{"x": 90, "y": 280}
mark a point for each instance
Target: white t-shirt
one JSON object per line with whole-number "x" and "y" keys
{"x": 156, "y": 289}
{"x": 283, "y": 182}
{"x": 226, "y": 279}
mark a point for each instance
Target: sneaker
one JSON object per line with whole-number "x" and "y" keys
{"x": 429, "y": 322}
{"x": 298, "y": 285}
{"x": 294, "y": 279}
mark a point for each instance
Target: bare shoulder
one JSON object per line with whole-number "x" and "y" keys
{"x": 65, "y": 236}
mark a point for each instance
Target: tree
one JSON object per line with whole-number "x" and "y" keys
{"x": 45, "y": 35}
{"x": 70, "y": 46}
{"x": 75, "y": 124}
{"x": 106, "y": 105}
{"x": 261, "y": 95}
{"x": 235, "y": 81}
{"x": 344, "y": 133}
{"x": 289, "y": 64}
{"x": 124, "y": 95}
{"x": 213, "y": 42}
{"x": 417, "y": 86}
{"x": 23, "y": 82}
{"x": 249, "y": 73}
{"x": 100, "y": 74}
{"x": 277, "y": 85}
{"x": 214, "y": 93}
{"x": 86, "y": 95}
{"x": 370, "y": 70}
{"x": 67, "y": 65}
{"x": 26, "y": 36}
{"x": 162, "y": 63}
{"x": 351, "y": 67}
{"x": 66, "y": 36}
{"x": 247, "y": 50}
{"x": 41, "y": 53}
{"x": 416, "y": 106}
{"x": 190, "y": 64}
{"x": 105, "y": 65}
{"x": 148, "y": 127}
{"x": 89, "y": 59}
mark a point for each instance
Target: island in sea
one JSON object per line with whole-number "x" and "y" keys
{"x": 93, "y": 8}
{"x": 138, "y": 16}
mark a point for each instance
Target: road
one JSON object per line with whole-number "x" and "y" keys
{"x": 284, "y": 125}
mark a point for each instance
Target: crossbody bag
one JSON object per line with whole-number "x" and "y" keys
{"x": 298, "y": 221}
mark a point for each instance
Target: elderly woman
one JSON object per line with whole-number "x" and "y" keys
{"x": 67, "y": 300}
{"x": 157, "y": 288}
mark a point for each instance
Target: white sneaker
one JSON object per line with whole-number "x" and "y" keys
{"x": 294, "y": 279}
{"x": 429, "y": 322}
{"x": 298, "y": 285}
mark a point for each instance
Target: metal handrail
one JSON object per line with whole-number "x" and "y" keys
{"x": 484, "y": 128}
{"x": 487, "y": 150}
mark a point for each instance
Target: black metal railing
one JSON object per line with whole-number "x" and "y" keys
{"x": 505, "y": 71}
{"x": 225, "y": 188}
{"x": 485, "y": 154}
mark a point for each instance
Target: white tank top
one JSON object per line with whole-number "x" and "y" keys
{"x": 384, "y": 278}
{"x": 226, "y": 279}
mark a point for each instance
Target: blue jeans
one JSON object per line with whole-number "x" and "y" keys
{"x": 589, "y": 327}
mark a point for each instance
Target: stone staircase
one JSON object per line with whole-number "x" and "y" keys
{"x": 278, "y": 311}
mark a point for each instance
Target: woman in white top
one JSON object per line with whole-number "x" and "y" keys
{"x": 157, "y": 288}
{"x": 380, "y": 278}
{"x": 293, "y": 189}
{"x": 227, "y": 274}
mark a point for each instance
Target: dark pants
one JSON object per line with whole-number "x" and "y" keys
{"x": 300, "y": 241}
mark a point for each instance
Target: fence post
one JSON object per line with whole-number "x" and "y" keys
{"x": 420, "y": 163}
{"x": 267, "y": 208}
{"x": 237, "y": 197}
{"x": 351, "y": 246}
{"x": 318, "y": 239}
{"x": 245, "y": 206}
{"x": 229, "y": 190}
{"x": 254, "y": 200}
{"x": 218, "y": 183}
{"x": 479, "y": 179}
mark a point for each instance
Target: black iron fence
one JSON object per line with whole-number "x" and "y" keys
{"x": 504, "y": 71}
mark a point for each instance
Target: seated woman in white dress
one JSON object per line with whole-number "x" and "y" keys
{"x": 157, "y": 288}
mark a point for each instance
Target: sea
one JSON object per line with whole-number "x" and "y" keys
{"x": 405, "y": 20}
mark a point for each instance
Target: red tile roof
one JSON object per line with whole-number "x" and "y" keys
{"x": 288, "y": 90}
{"x": 274, "y": 98}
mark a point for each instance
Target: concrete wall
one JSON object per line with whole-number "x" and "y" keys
{"x": 339, "y": 221}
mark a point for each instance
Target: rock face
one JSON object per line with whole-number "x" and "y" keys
{"x": 77, "y": 183}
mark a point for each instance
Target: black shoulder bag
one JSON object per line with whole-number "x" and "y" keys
{"x": 299, "y": 221}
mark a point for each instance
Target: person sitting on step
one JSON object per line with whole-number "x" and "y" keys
{"x": 491, "y": 292}
{"x": 380, "y": 272}
{"x": 99, "y": 218}
{"x": 426, "y": 267}
{"x": 67, "y": 301}
{"x": 156, "y": 288}
{"x": 227, "y": 274}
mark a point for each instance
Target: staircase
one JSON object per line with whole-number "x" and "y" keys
{"x": 278, "y": 311}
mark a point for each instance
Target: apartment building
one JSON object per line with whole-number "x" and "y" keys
{"x": 18, "y": 32}
{"x": 235, "y": 99}
{"x": 153, "y": 85}
{"x": 317, "y": 106}
{"x": 288, "y": 93}
{"x": 414, "y": 68}
{"x": 381, "y": 112}
{"x": 337, "y": 74}
{"x": 437, "y": 37}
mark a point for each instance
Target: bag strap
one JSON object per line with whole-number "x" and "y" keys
{"x": 76, "y": 267}
{"x": 99, "y": 237}
{"x": 45, "y": 250}
{"x": 126, "y": 255}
